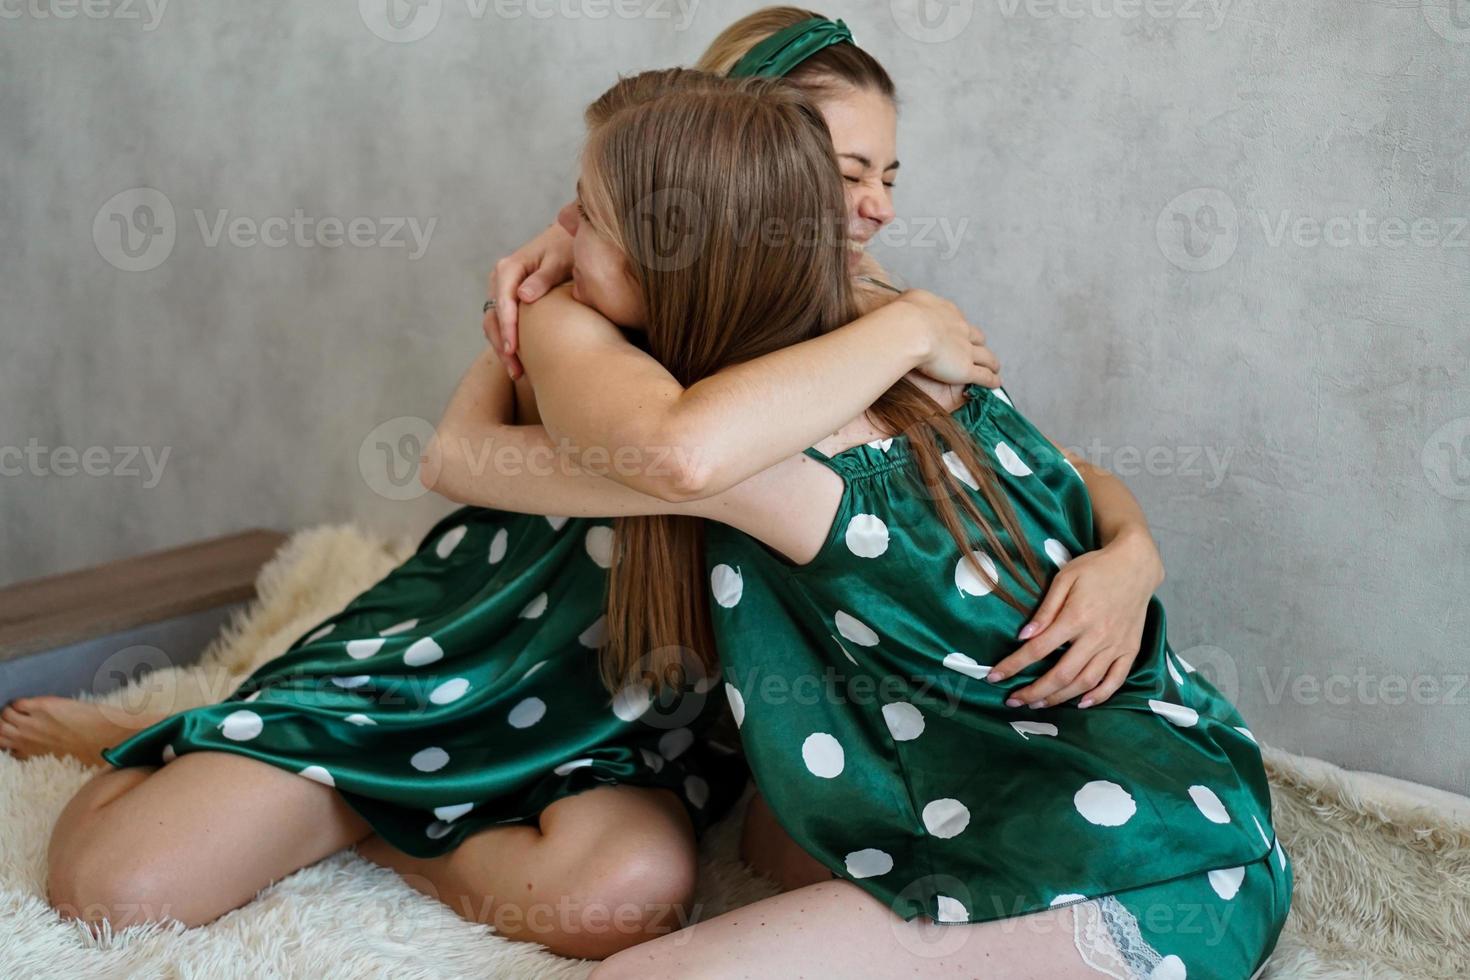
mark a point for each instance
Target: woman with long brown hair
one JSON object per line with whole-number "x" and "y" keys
{"x": 882, "y": 568}
{"x": 1095, "y": 610}
{"x": 451, "y": 722}
{"x": 1098, "y": 606}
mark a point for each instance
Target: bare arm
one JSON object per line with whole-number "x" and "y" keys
{"x": 1119, "y": 518}
{"x": 600, "y": 392}
{"x": 478, "y": 456}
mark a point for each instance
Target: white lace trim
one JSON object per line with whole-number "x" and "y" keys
{"x": 1107, "y": 936}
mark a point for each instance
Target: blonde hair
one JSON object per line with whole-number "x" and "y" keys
{"x": 735, "y": 41}
{"x": 822, "y": 75}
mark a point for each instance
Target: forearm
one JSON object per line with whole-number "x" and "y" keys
{"x": 478, "y": 457}
{"x": 519, "y": 468}
{"x": 733, "y": 424}
{"x": 484, "y": 393}
{"x": 1118, "y": 517}
{"x": 752, "y": 415}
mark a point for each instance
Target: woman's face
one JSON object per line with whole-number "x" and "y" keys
{"x": 600, "y": 275}
{"x": 864, "y": 127}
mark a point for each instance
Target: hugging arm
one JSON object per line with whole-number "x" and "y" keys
{"x": 602, "y": 394}
{"x": 478, "y": 456}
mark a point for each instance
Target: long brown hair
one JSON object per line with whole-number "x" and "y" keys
{"x": 677, "y": 181}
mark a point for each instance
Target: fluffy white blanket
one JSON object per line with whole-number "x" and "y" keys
{"x": 1382, "y": 867}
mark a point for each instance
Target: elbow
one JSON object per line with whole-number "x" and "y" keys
{"x": 436, "y": 468}
{"x": 686, "y": 483}
{"x": 682, "y": 470}
{"x": 431, "y": 464}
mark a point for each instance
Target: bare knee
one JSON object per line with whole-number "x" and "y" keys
{"x": 91, "y": 875}
{"x": 627, "y": 895}
{"x": 95, "y": 887}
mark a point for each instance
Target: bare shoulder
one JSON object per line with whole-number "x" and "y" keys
{"x": 558, "y": 312}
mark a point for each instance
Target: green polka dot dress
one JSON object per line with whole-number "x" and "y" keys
{"x": 858, "y": 684}
{"x": 462, "y": 691}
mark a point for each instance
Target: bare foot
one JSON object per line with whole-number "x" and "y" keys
{"x": 48, "y": 725}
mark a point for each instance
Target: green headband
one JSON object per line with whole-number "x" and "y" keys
{"x": 778, "y": 54}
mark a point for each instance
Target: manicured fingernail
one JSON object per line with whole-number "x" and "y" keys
{"x": 994, "y": 676}
{"x": 1013, "y": 702}
{"x": 1027, "y": 631}
{"x": 1085, "y": 703}
{"x": 1041, "y": 703}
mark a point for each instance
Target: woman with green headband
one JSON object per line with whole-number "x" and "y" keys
{"x": 853, "y": 591}
{"x": 1098, "y": 607}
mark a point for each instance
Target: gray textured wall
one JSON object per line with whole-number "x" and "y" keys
{"x": 1222, "y": 249}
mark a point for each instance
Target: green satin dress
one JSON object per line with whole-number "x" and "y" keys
{"x": 462, "y": 691}
{"x": 858, "y": 683}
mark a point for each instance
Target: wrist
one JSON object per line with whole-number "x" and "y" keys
{"x": 1138, "y": 545}
{"x": 921, "y": 340}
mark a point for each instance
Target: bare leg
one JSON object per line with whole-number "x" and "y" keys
{"x": 189, "y": 841}
{"x": 49, "y": 725}
{"x": 606, "y": 869}
{"x": 770, "y": 851}
{"x": 837, "y": 929}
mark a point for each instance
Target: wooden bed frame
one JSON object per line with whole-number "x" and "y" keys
{"x": 93, "y": 630}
